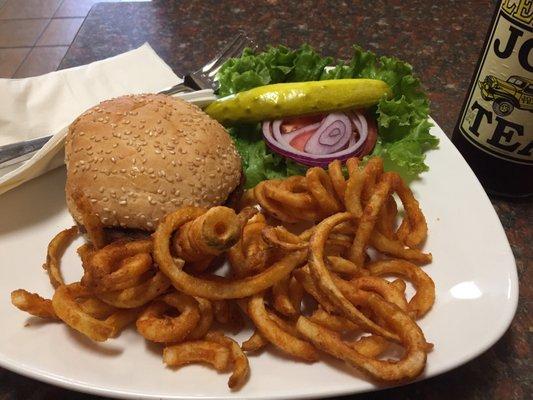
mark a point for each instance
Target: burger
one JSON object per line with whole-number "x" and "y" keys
{"x": 137, "y": 158}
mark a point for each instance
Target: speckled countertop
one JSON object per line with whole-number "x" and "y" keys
{"x": 441, "y": 39}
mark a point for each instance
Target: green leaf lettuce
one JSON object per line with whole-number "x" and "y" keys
{"x": 403, "y": 127}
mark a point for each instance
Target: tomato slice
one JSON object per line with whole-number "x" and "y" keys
{"x": 300, "y": 141}
{"x": 292, "y": 123}
{"x": 372, "y": 136}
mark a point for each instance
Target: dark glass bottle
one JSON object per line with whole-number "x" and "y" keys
{"x": 495, "y": 129}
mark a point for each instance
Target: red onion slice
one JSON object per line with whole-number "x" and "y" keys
{"x": 276, "y": 125}
{"x": 346, "y": 137}
{"x": 333, "y": 134}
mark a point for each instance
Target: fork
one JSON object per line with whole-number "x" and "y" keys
{"x": 203, "y": 78}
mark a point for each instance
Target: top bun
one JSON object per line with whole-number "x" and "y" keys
{"x": 137, "y": 158}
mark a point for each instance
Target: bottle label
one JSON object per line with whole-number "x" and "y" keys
{"x": 498, "y": 116}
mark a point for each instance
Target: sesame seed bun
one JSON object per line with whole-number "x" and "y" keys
{"x": 137, "y": 158}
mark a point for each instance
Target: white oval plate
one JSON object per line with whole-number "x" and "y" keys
{"x": 473, "y": 269}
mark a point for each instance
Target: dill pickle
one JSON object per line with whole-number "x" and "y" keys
{"x": 298, "y": 98}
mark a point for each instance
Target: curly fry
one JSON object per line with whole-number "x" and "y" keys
{"x": 241, "y": 367}
{"x": 154, "y": 325}
{"x": 91, "y": 222}
{"x": 202, "y": 351}
{"x": 33, "y": 304}
{"x": 276, "y": 335}
{"x": 56, "y": 248}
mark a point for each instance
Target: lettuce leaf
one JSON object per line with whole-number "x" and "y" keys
{"x": 275, "y": 65}
{"x": 407, "y": 154}
{"x": 259, "y": 163}
{"x": 403, "y": 127}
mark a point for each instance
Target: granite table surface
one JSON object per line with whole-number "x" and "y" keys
{"x": 442, "y": 40}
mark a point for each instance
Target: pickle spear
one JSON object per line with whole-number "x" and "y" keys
{"x": 298, "y": 98}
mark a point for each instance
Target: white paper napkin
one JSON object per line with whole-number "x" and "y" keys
{"x": 47, "y": 104}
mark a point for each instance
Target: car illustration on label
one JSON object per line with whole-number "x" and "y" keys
{"x": 515, "y": 92}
